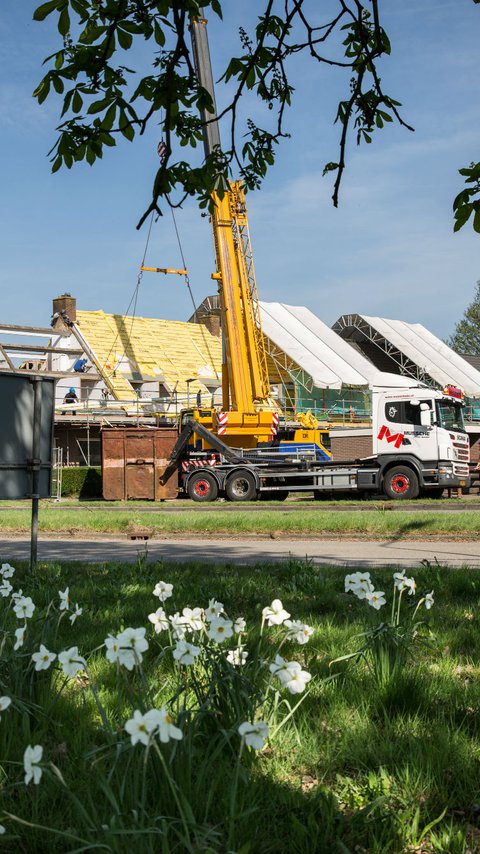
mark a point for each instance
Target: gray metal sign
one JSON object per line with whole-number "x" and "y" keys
{"x": 26, "y": 435}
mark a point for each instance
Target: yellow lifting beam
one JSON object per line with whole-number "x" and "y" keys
{"x": 163, "y": 270}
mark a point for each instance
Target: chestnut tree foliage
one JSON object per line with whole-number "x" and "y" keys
{"x": 104, "y": 98}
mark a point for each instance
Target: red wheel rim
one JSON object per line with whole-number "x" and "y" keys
{"x": 201, "y": 487}
{"x": 400, "y": 483}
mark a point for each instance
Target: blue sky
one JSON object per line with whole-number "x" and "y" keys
{"x": 388, "y": 250}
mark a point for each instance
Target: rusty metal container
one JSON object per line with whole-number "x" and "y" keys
{"x": 134, "y": 463}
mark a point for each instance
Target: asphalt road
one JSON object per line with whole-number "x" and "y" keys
{"x": 340, "y": 552}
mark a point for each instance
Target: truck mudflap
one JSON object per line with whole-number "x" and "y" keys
{"x": 368, "y": 479}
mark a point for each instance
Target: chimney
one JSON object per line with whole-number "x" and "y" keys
{"x": 212, "y": 322}
{"x": 64, "y": 312}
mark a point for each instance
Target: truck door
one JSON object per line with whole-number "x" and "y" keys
{"x": 401, "y": 430}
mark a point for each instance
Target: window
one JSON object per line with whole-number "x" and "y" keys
{"x": 404, "y": 412}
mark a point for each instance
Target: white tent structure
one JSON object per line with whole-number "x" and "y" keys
{"x": 410, "y": 349}
{"x": 300, "y": 342}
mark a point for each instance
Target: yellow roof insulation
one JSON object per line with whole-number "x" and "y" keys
{"x": 150, "y": 350}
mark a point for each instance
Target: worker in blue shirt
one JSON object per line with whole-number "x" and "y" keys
{"x": 80, "y": 366}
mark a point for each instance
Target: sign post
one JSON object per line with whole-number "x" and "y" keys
{"x": 26, "y": 438}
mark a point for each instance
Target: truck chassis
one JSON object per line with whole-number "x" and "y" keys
{"x": 248, "y": 475}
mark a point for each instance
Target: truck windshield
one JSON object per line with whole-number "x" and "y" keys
{"x": 450, "y": 415}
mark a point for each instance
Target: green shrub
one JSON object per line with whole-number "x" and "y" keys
{"x": 82, "y": 481}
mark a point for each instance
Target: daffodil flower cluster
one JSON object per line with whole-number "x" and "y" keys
{"x": 143, "y": 727}
{"x": 127, "y": 647}
{"x": 290, "y": 674}
{"x": 65, "y": 605}
{"x": 362, "y": 586}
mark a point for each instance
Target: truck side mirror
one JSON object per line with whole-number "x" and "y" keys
{"x": 425, "y": 415}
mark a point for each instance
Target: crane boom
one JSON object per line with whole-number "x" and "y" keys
{"x": 245, "y": 382}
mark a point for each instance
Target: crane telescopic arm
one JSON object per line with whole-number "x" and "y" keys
{"x": 245, "y": 383}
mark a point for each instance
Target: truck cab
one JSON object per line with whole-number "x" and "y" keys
{"x": 419, "y": 439}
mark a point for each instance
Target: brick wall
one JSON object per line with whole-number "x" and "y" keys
{"x": 350, "y": 444}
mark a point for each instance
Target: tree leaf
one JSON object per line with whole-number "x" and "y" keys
{"x": 124, "y": 39}
{"x": 45, "y": 9}
{"x": 476, "y": 220}
{"x": 64, "y": 22}
{"x": 77, "y": 102}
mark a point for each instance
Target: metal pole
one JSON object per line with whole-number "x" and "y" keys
{"x": 35, "y": 468}
{"x": 88, "y": 432}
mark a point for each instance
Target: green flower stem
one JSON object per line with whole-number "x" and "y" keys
{"x": 174, "y": 790}
{"x": 233, "y": 799}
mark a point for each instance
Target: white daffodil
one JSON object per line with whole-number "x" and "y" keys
{"x": 2, "y": 829}
{"x": 411, "y": 586}
{"x": 43, "y": 658}
{"x": 363, "y": 585}
{"x": 6, "y": 570}
{"x": 239, "y": 626}
{"x": 376, "y": 598}
{"x": 72, "y": 663}
{"x": 237, "y": 657}
{"x": 166, "y": 727}
{"x": 19, "y": 637}
{"x": 115, "y": 653}
{"x": 429, "y": 600}
{"x": 293, "y": 678}
{"x": 134, "y": 639}
{"x": 193, "y": 619}
{"x": 351, "y": 582}
{"x": 31, "y": 763}
{"x": 278, "y": 667}
{"x": 5, "y": 588}
{"x": 299, "y": 632}
{"x": 113, "y": 648}
{"x": 17, "y": 595}
{"x": 140, "y": 727}
{"x": 255, "y": 735}
{"x": 159, "y": 620}
{"x": 185, "y": 653}
{"x": 76, "y": 613}
{"x": 399, "y": 580}
{"x": 214, "y": 610}
{"x": 179, "y": 628}
{"x": 220, "y": 629}
{"x": 23, "y": 607}
{"x": 275, "y": 614}
{"x": 4, "y": 703}
{"x": 163, "y": 590}
{"x": 64, "y": 599}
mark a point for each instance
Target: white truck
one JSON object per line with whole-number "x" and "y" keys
{"x": 420, "y": 447}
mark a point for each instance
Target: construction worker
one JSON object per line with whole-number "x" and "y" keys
{"x": 70, "y": 397}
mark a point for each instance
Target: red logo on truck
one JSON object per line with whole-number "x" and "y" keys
{"x": 396, "y": 438}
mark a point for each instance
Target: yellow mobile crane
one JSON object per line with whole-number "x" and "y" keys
{"x": 249, "y": 416}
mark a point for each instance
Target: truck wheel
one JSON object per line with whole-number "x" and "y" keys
{"x": 401, "y": 483}
{"x": 241, "y": 487}
{"x": 202, "y": 486}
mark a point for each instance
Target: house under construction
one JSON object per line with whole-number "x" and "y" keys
{"x": 133, "y": 370}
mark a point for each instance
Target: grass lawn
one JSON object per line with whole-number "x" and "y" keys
{"x": 361, "y": 768}
{"x": 372, "y": 522}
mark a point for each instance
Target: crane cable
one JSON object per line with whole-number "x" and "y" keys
{"x": 134, "y": 297}
{"x": 187, "y": 282}
{"x": 187, "y": 279}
